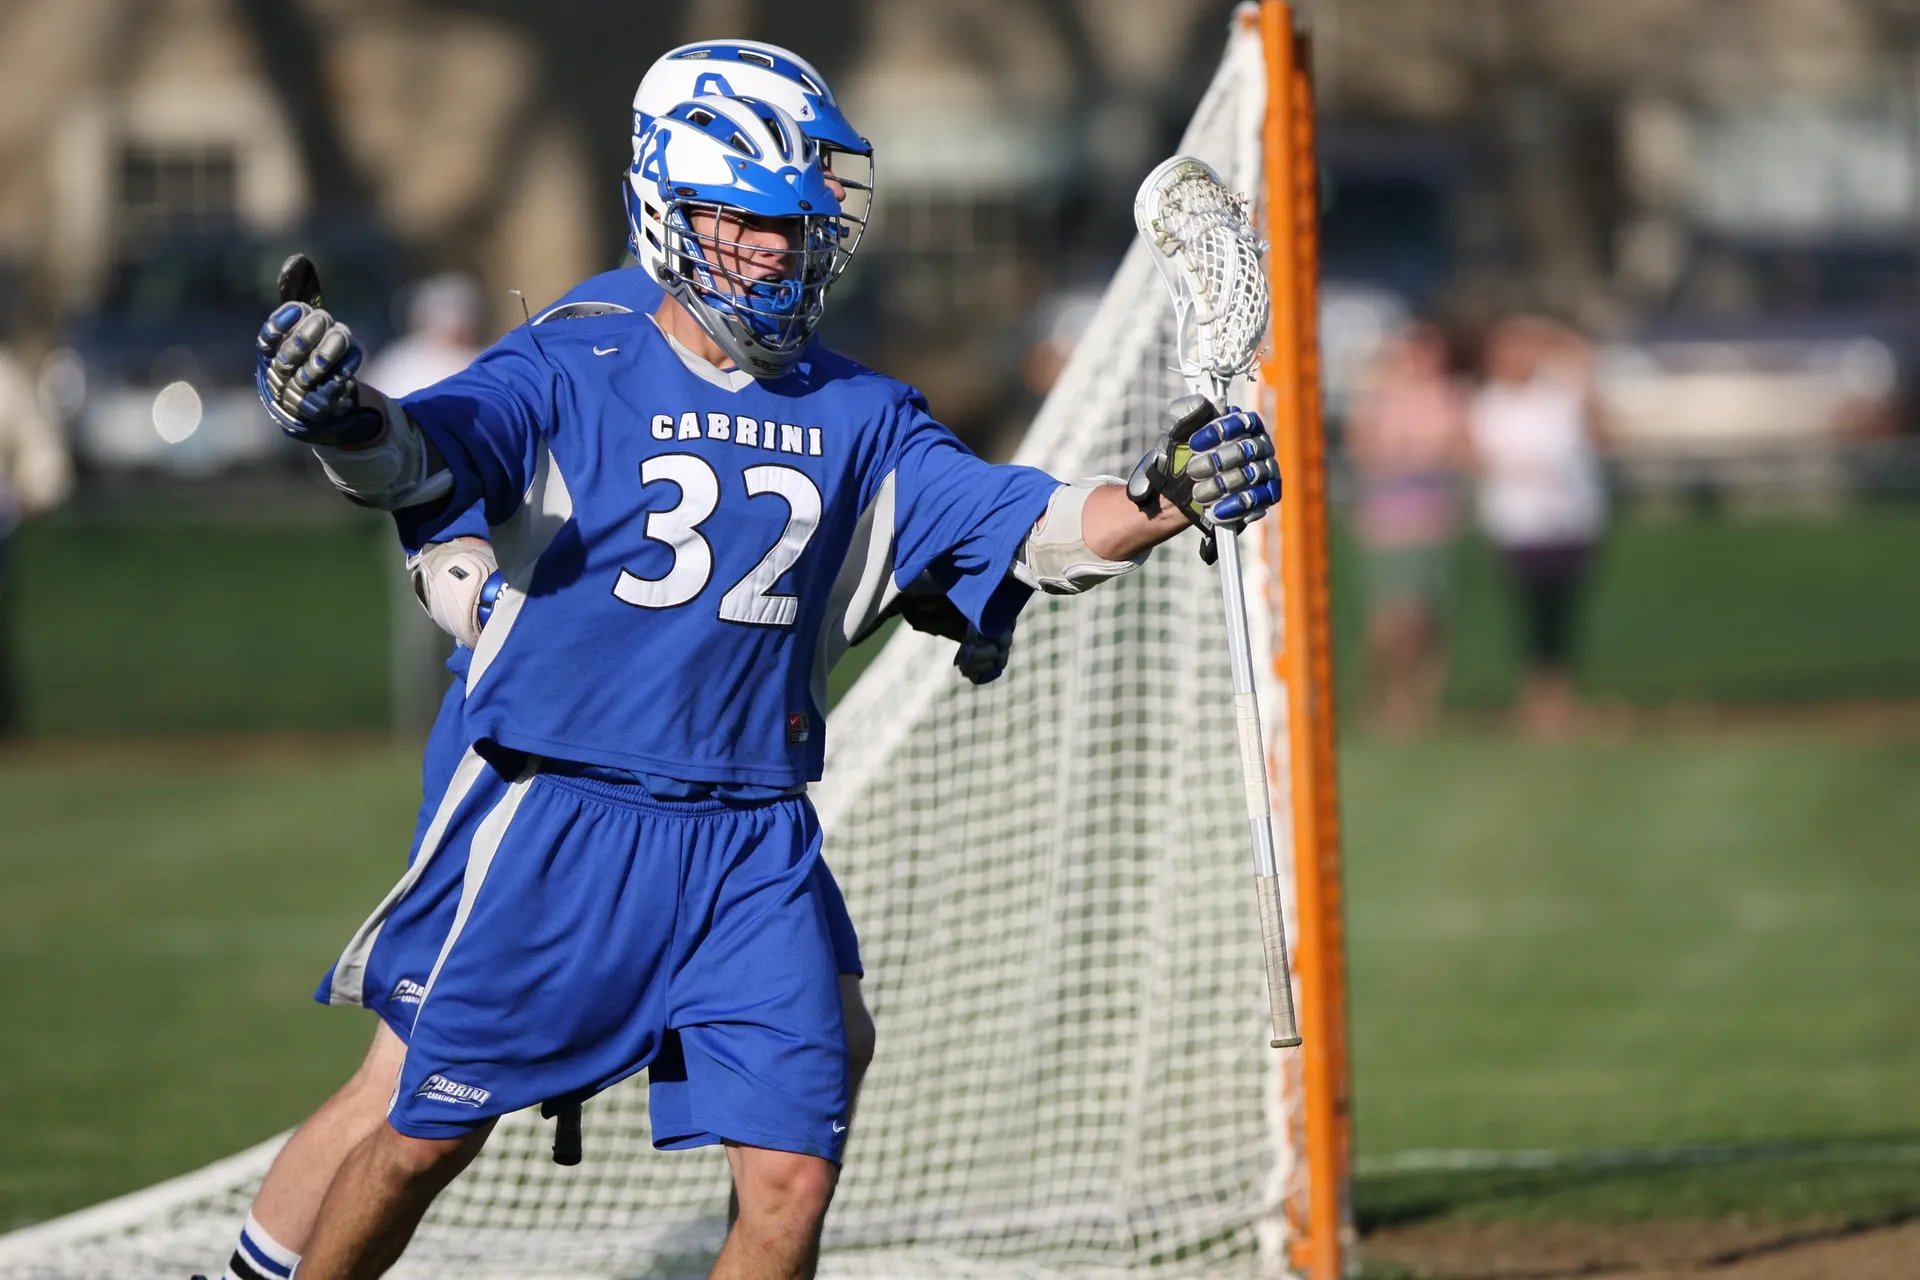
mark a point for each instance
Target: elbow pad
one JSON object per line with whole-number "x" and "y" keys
{"x": 1055, "y": 557}
{"x": 400, "y": 469}
{"x": 450, "y": 580}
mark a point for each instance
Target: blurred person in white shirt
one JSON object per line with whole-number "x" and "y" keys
{"x": 1407, "y": 439}
{"x": 1535, "y": 431}
{"x": 36, "y": 475}
{"x": 442, "y": 338}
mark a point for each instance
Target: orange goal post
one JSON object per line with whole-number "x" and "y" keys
{"x": 1315, "y": 1080}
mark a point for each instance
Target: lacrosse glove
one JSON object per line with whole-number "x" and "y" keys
{"x": 304, "y": 367}
{"x": 982, "y": 658}
{"x": 1217, "y": 468}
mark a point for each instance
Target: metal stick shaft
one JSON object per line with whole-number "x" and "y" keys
{"x": 1253, "y": 777}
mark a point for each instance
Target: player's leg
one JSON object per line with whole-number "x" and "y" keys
{"x": 545, "y": 987}
{"x": 281, "y": 1221}
{"x": 783, "y": 1201}
{"x": 383, "y": 969}
{"x": 759, "y": 1058}
{"x": 853, "y": 1005}
{"x": 383, "y": 1189}
{"x": 860, "y": 1044}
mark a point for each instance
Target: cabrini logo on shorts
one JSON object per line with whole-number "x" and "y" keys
{"x": 437, "y": 1088}
{"x": 407, "y": 991}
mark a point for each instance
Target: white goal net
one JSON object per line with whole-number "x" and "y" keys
{"x": 1052, "y": 884}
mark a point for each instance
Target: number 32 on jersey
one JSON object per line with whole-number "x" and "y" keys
{"x": 750, "y": 600}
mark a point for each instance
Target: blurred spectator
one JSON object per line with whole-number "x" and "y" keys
{"x": 1063, "y": 321}
{"x": 35, "y": 476}
{"x": 1534, "y": 428}
{"x": 1407, "y": 437}
{"x": 442, "y": 337}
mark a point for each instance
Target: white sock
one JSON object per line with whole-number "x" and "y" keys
{"x": 260, "y": 1256}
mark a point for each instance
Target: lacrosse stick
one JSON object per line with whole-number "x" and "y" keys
{"x": 1204, "y": 245}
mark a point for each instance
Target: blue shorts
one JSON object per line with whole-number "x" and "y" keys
{"x": 446, "y": 743}
{"x": 600, "y": 932}
{"x": 385, "y": 967}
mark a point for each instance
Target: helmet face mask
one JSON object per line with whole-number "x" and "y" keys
{"x": 852, "y": 173}
{"x": 731, "y": 212}
{"x": 769, "y": 298}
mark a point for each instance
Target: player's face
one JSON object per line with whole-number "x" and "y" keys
{"x": 834, "y": 184}
{"x": 747, "y": 247}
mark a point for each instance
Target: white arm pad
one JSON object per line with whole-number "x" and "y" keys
{"x": 1055, "y": 558}
{"x": 447, "y": 578}
{"x": 397, "y": 471}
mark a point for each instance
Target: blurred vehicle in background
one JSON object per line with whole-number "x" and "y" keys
{"x": 160, "y": 376}
{"x": 1773, "y": 368}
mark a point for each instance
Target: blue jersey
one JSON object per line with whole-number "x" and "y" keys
{"x": 682, "y": 546}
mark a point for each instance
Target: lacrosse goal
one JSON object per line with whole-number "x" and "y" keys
{"x": 1051, "y": 881}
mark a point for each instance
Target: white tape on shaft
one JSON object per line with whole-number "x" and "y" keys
{"x": 1253, "y": 756}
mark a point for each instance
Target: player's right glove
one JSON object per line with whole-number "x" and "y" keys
{"x": 304, "y": 367}
{"x": 1216, "y": 466}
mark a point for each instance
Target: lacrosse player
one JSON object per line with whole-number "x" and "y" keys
{"x": 691, "y": 506}
{"x": 457, "y": 581}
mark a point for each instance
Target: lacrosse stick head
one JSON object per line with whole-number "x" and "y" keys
{"x": 1204, "y": 244}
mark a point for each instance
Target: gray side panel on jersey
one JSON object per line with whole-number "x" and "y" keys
{"x": 863, "y": 589}
{"x": 519, "y": 543}
{"x": 350, "y": 971}
{"x": 486, "y": 842}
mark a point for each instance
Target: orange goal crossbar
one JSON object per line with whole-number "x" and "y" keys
{"x": 1318, "y": 1207}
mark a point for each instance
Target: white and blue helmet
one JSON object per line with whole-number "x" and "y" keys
{"x": 747, "y": 68}
{"x": 710, "y": 158}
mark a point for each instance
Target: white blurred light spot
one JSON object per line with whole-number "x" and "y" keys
{"x": 176, "y": 412}
{"x": 1867, "y": 369}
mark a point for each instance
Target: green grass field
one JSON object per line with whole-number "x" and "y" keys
{"x": 1669, "y": 939}
{"x": 1684, "y": 938}
{"x": 167, "y": 626}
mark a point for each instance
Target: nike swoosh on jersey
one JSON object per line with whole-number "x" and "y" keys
{"x": 609, "y": 351}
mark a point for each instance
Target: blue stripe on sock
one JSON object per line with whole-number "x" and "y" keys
{"x": 259, "y": 1258}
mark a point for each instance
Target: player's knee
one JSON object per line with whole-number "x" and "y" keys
{"x": 431, "y": 1160}
{"x": 377, "y": 1071}
{"x": 783, "y": 1185}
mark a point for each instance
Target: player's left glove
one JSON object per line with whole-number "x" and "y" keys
{"x": 983, "y": 658}
{"x": 304, "y": 367}
{"x": 924, "y": 606}
{"x": 1217, "y": 467}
